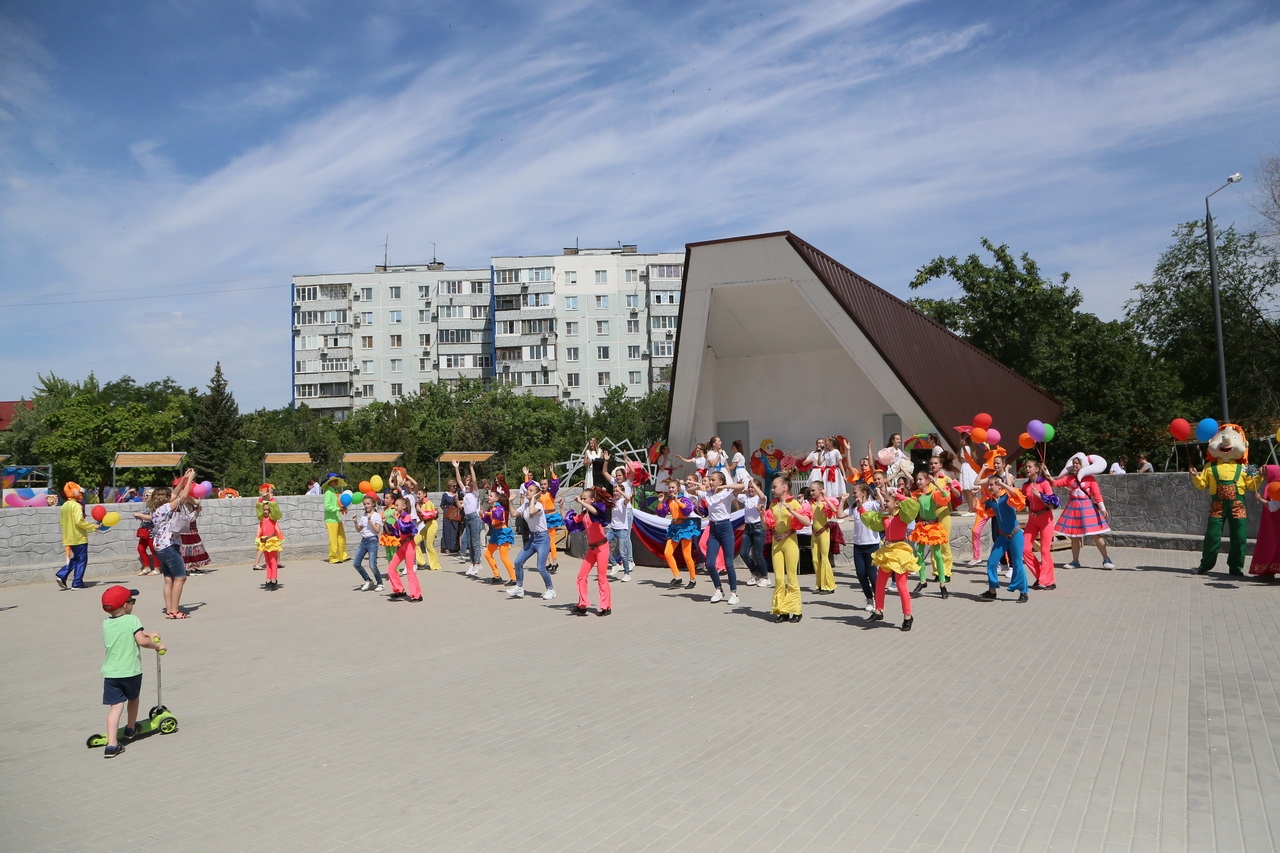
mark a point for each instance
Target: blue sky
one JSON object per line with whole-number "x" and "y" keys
{"x": 196, "y": 154}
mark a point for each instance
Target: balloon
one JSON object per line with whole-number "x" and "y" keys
{"x": 111, "y": 519}
{"x": 1026, "y": 442}
{"x": 1205, "y": 429}
{"x": 199, "y": 490}
{"x": 1273, "y": 491}
{"x": 993, "y": 436}
{"x": 366, "y": 486}
{"x": 982, "y": 420}
{"x": 1049, "y": 432}
{"x": 979, "y": 435}
{"x": 1278, "y": 435}
{"x": 345, "y": 499}
{"x": 98, "y": 512}
{"x": 1180, "y": 429}
{"x": 1035, "y": 429}
{"x": 376, "y": 482}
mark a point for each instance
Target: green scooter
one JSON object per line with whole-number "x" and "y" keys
{"x": 159, "y": 719}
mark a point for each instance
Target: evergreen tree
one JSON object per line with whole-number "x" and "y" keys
{"x": 215, "y": 431}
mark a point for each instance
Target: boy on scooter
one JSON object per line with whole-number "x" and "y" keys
{"x": 124, "y": 637}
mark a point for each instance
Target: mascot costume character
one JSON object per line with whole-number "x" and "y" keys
{"x": 75, "y": 536}
{"x": 333, "y": 510}
{"x": 1227, "y": 478}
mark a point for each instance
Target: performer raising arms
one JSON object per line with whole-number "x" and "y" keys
{"x": 929, "y": 534}
{"x": 699, "y": 461}
{"x": 785, "y": 518}
{"x": 590, "y": 520}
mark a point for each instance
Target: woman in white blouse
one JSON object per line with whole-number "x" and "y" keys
{"x": 718, "y": 494}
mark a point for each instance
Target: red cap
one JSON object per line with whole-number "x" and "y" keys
{"x": 116, "y": 597}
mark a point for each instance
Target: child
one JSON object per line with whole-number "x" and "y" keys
{"x": 591, "y": 522}
{"x": 428, "y": 513}
{"x": 681, "y": 532}
{"x": 620, "y": 519}
{"x": 865, "y": 543}
{"x": 501, "y": 538}
{"x": 369, "y": 527}
{"x": 1003, "y": 503}
{"x": 270, "y": 537}
{"x": 405, "y": 525}
{"x": 122, "y": 635}
{"x": 894, "y": 559}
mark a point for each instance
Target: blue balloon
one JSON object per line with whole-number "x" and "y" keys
{"x": 1206, "y": 429}
{"x": 346, "y": 496}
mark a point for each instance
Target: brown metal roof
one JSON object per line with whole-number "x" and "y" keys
{"x": 951, "y": 379}
{"x": 370, "y": 457}
{"x": 464, "y": 456}
{"x": 287, "y": 459}
{"x": 164, "y": 459}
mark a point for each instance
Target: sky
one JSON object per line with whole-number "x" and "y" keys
{"x": 165, "y": 167}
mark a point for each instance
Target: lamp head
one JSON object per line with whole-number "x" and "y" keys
{"x": 1235, "y": 179}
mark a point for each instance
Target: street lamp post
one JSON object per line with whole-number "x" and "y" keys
{"x": 1217, "y": 304}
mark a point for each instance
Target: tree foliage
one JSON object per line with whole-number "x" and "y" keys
{"x": 216, "y": 430}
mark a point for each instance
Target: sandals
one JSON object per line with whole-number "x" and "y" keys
{"x": 180, "y": 614}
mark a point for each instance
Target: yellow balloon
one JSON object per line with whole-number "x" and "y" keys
{"x": 376, "y": 482}
{"x": 1278, "y": 435}
{"x": 111, "y": 519}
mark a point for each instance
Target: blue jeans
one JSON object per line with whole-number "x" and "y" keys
{"x": 866, "y": 570}
{"x": 1012, "y": 547}
{"x": 721, "y": 539}
{"x": 76, "y": 565}
{"x": 474, "y": 535}
{"x": 368, "y": 546}
{"x": 171, "y": 564}
{"x": 753, "y": 548}
{"x": 539, "y": 543}
{"x": 620, "y": 547}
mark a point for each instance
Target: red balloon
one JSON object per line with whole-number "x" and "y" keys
{"x": 982, "y": 420}
{"x": 98, "y": 512}
{"x": 1026, "y": 442}
{"x": 979, "y": 435}
{"x": 1180, "y": 429}
{"x": 1273, "y": 491}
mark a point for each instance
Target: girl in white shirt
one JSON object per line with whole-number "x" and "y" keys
{"x": 718, "y": 494}
{"x": 865, "y": 541}
{"x": 752, "y": 499}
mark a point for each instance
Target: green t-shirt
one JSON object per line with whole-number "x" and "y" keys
{"x": 124, "y": 656}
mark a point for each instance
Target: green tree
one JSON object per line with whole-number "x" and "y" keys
{"x": 215, "y": 432}
{"x": 1174, "y": 314}
{"x": 1116, "y": 396}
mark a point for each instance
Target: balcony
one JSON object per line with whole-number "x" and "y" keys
{"x": 540, "y": 312}
{"x": 524, "y": 287}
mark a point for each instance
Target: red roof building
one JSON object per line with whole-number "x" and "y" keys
{"x": 8, "y": 409}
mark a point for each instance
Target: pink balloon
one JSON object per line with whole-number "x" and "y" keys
{"x": 993, "y": 436}
{"x": 200, "y": 490}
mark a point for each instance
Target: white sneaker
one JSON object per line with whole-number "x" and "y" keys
{"x": 871, "y": 605}
{"x": 765, "y": 582}
{"x": 474, "y": 571}
{"x": 548, "y": 595}
{"x": 515, "y": 592}
{"x": 626, "y": 577}
{"x": 1107, "y": 564}
{"x": 751, "y": 580}
{"x": 613, "y": 571}
{"x": 733, "y": 598}
{"x": 717, "y": 596}
{"x": 367, "y": 586}
{"x": 378, "y": 588}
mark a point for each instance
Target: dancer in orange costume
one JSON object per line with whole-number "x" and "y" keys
{"x": 683, "y": 529}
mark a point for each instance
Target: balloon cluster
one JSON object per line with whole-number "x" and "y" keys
{"x": 1037, "y": 431}
{"x": 202, "y": 490}
{"x": 1180, "y": 429}
{"x": 983, "y": 432}
{"x": 106, "y": 519}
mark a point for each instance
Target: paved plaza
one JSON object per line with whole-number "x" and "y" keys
{"x": 1127, "y": 710}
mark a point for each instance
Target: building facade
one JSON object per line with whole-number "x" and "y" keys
{"x": 568, "y": 326}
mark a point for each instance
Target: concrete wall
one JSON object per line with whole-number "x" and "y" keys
{"x": 1162, "y": 503}
{"x": 31, "y": 540}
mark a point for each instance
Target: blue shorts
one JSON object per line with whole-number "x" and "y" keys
{"x": 117, "y": 690}
{"x": 171, "y": 565}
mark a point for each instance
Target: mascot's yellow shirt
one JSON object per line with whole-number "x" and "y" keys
{"x": 1218, "y": 473}
{"x": 75, "y": 529}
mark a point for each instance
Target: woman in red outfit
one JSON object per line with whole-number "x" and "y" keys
{"x": 1041, "y": 502}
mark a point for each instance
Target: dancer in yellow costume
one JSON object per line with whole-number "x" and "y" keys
{"x": 333, "y": 510}
{"x": 785, "y": 518}
{"x": 427, "y": 555}
{"x": 824, "y": 510}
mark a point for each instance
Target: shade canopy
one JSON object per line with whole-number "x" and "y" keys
{"x": 370, "y": 457}
{"x": 466, "y": 456}
{"x": 164, "y": 459}
{"x": 287, "y": 459}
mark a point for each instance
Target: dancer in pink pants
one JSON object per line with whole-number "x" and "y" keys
{"x": 404, "y": 524}
{"x": 1041, "y": 502}
{"x": 591, "y": 520}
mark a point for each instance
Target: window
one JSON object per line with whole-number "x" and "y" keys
{"x": 512, "y": 378}
{"x": 479, "y": 312}
{"x": 571, "y": 353}
{"x": 540, "y": 377}
{"x": 664, "y": 348}
{"x": 308, "y": 342}
{"x": 505, "y": 327}
{"x": 397, "y": 365}
{"x": 666, "y": 297}
{"x": 312, "y": 318}
{"x": 508, "y": 276}
{"x": 602, "y": 327}
{"x": 397, "y": 390}
{"x": 424, "y": 315}
{"x": 397, "y": 341}
{"x": 366, "y": 293}
{"x": 633, "y": 327}
{"x": 633, "y": 276}
{"x": 366, "y": 366}
{"x": 454, "y": 361}
{"x": 535, "y": 300}
{"x": 485, "y": 360}
{"x": 633, "y": 353}
{"x": 299, "y": 367}
{"x": 455, "y": 336}
{"x": 602, "y": 302}
{"x": 306, "y": 390}
{"x": 366, "y": 342}
{"x": 424, "y": 340}
{"x": 424, "y": 291}
{"x": 633, "y": 300}
{"x": 393, "y": 292}
{"x": 602, "y": 379}
{"x": 479, "y": 287}
{"x": 633, "y": 377}
{"x": 506, "y": 303}
{"x": 540, "y": 274}
{"x": 668, "y": 271}
{"x": 452, "y": 286}
{"x": 570, "y": 277}
{"x": 306, "y": 294}
{"x": 537, "y": 327}
{"x": 602, "y": 276}
{"x": 366, "y": 317}
{"x": 602, "y": 353}
{"x": 424, "y": 364}
{"x": 453, "y": 312}
{"x": 662, "y": 322}
{"x": 510, "y": 353}
{"x": 572, "y": 379}
{"x": 393, "y": 317}
{"x": 537, "y": 351}
{"x": 571, "y": 328}
{"x": 571, "y": 303}
{"x": 366, "y": 390}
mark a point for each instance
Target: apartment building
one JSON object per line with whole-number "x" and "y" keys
{"x": 567, "y": 326}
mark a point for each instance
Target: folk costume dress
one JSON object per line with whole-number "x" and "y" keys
{"x": 269, "y": 540}
{"x": 783, "y": 517}
{"x": 1266, "y": 551}
{"x": 1083, "y": 516}
{"x": 1041, "y": 502}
